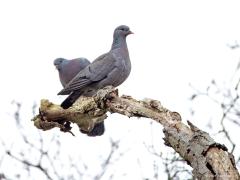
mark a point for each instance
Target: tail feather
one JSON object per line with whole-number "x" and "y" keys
{"x": 97, "y": 130}
{"x": 68, "y": 102}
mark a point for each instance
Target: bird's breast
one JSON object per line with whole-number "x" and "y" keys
{"x": 123, "y": 66}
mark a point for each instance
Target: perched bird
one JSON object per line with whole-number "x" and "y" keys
{"x": 68, "y": 69}
{"x": 111, "y": 68}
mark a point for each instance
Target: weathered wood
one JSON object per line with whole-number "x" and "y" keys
{"x": 209, "y": 160}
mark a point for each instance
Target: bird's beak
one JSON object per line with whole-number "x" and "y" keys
{"x": 130, "y": 32}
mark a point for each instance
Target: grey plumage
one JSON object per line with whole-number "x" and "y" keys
{"x": 68, "y": 69}
{"x": 111, "y": 68}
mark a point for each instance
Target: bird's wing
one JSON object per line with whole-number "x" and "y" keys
{"x": 98, "y": 70}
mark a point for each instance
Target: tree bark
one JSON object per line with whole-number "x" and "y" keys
{"x": 209, "y": 160}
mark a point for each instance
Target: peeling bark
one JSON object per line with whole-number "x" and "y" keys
{"x": 209, "y": 160}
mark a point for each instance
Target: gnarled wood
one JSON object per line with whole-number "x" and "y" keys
{"x": 208, "y": 159}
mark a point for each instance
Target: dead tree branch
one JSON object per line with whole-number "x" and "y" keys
{"x": 209, "y": 160}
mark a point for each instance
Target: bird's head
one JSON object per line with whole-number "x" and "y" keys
{"x": 58, "y": 63}
{"x": 122, "y": 30}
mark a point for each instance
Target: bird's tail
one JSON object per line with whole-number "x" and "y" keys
{"x": 97, "y": 130}
{"x": 68, "y": 102}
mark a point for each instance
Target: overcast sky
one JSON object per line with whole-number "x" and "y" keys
{"x": 174, "y": 43}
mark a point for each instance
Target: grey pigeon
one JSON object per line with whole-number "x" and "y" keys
{"x": 68, "y": 69}
{"x": 111, "y": 68}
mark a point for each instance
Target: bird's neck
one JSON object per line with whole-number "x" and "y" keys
{"x": 119, "y": 42}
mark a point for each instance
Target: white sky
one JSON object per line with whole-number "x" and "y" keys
{"x": 175, "y": 43}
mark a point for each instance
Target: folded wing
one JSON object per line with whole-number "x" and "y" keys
{"x": 96, "y": 71}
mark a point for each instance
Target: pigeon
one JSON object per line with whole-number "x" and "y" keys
{"x": 111, "y": 68}
{"x": 68, "y": 69}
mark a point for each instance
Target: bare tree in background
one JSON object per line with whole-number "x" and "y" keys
{"x": 225, "y": 96}
{"x": 227, "y": 99}
{"x": 35, "y": 155}
{"x": 42, "y": 158}
{"x": 47, "y": 157}
{"x": 169, "y": 162}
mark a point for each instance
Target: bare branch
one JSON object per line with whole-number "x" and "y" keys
{"x": 29, "y": 164}
{"x": 208, "y": 159}
{"x": 229, "y": 105}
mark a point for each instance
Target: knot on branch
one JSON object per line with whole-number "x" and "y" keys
{"x": 105, "y": 94}
{"x": 154, "y": 104}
